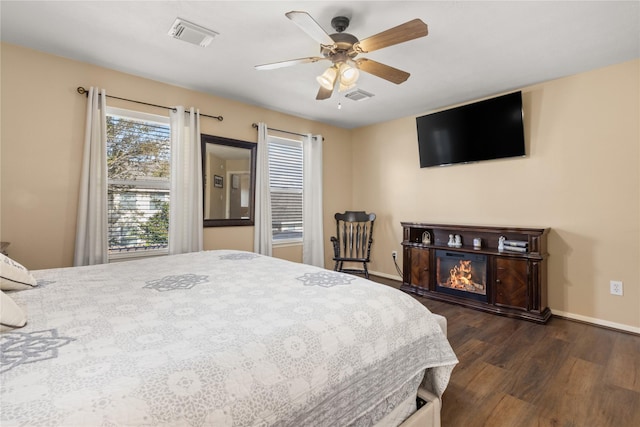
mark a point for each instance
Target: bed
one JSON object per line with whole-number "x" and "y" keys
{"x": 220, "y": 338}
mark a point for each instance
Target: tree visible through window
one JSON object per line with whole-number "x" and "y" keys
{"x": 285, "y": 176}
{"x": 138, "y": 154}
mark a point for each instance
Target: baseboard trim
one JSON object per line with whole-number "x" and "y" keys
{"x": 558, "y": 313}
{"x": 597, "y": 322}
{"x": 386, "y": 276}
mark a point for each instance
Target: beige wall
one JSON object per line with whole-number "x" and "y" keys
{"x": 580, "y": 178}
{"x": 42, "y": 128}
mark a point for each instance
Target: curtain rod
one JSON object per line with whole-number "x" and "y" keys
{"x": 255, "y": 126}
{"x": 83, "y": 91}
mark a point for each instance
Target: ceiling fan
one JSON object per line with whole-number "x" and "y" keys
{"x": 342, "y": 48}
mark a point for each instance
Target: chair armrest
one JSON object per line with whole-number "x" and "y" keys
{"x": 336, "y": 247}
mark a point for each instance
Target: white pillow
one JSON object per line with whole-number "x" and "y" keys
{"x": 13, "y": 276}
{"x": 11, "y": 316}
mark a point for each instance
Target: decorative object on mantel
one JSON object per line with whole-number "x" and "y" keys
{"x": 477, "y": 243}
{"x": 455, "y": 241}
{"x": 426, "y": 238}
{"x": 501, "y": 240}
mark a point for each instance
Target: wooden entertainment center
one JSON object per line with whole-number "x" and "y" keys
{"x": 514, "y": 279}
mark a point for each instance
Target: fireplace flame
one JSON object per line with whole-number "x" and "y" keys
{"x": 461, "y": 277}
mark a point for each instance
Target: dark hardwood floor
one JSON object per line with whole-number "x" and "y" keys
{"x": 519, "y": 373}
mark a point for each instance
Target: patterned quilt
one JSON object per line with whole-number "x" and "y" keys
{"x": 215, "y": 338}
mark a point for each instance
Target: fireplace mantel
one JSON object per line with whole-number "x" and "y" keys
{"x": 516, "y": 266}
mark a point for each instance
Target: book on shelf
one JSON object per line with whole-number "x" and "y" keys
{"x": 515, "y": 249}
{"x": 518, "y": 243}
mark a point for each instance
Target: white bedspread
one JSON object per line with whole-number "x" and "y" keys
{"x": 215, "y": 338}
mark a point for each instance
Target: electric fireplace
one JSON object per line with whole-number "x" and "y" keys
{"x": 462, "y": 274}
{"x": 508, "y": 283}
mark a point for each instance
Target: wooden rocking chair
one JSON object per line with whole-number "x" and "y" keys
{"x": 353, "y": 239}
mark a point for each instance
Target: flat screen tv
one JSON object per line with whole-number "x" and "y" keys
{"x": 485, "y": 130}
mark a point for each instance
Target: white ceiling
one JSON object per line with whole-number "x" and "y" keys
{"x": 474, "y": 48}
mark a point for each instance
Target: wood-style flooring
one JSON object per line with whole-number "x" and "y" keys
{"x": 518, "y": 373}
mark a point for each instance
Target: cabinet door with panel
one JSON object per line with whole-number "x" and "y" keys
{"x": 420, "y": 263}
{"x": 511, "y": 277}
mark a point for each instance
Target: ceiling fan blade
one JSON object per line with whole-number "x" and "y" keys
{"x": 324, "y": 93}
{"x": 289, "y": 63}
{"x": 383, "y": 71}
{"x": 310, "y": 26}
{"x": 402, "y": 33}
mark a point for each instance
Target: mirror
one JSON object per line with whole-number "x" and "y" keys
{"x": 228, "y": 181}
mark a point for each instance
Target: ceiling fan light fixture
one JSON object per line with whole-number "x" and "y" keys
{"x": 328, "y": 78}
{"x": 348, "y": 75}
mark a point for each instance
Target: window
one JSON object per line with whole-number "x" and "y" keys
{"x": 285, "y": 176}
{"x": 138, "y": 150}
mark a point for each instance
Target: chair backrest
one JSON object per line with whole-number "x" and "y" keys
{"x": 355, "y": 234}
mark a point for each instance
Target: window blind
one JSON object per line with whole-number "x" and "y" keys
{"x": 285, "y": 175}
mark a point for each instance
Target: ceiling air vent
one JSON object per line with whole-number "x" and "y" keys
{"x": 358, "y": 95}
{"x": 192, "y": 33}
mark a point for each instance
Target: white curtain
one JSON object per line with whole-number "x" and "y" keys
{"x": 185, "y": 207}
{"x": 313, "y": 231}
{"x": 262, "y": 230}
{"x": 91, "y": 230}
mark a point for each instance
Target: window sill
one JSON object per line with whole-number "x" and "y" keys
{"x": 286, "y": 242}
{"x": 127, "y": 256}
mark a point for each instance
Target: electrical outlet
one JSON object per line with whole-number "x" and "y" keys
{"x": 615, "y": 287}
{"x": 394, "y": 254}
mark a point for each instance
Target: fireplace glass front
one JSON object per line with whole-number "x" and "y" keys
{"x": 462, "y": 274}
